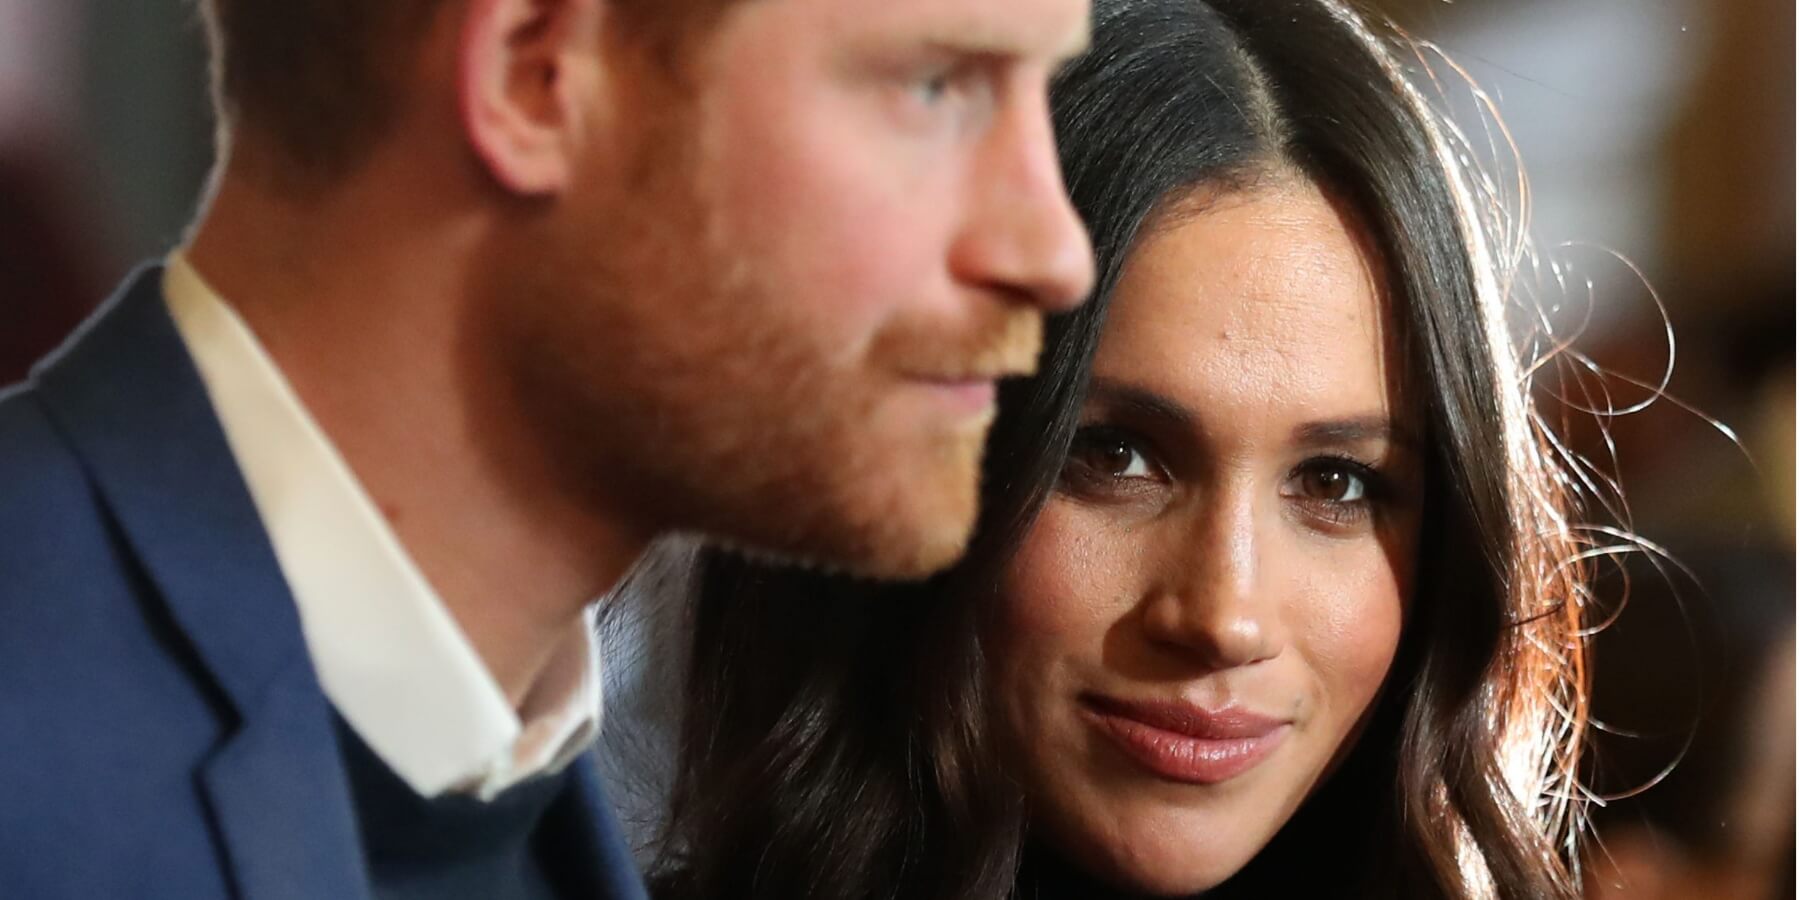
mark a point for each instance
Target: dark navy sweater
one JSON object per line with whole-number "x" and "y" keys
{"x": 452, "y": 847}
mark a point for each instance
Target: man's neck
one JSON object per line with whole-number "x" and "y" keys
{"x": 362, "y": 307}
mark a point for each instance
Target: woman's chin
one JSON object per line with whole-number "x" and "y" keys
{"x": 1163, "y": 863}
{"x": 1178, "y": 878}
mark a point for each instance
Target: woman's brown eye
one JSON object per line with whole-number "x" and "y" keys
{"x": 1335, "y": 485}
{"x": 1112, "y": 457}
{"x": 1109, "y": 454}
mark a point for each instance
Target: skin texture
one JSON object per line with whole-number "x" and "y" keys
{"x": 772, "y": 312}
{"x": 1206, "y": 543}
{"x": 600, "y": 281}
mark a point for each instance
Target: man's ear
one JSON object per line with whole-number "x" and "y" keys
{"x": 527, "y": 78}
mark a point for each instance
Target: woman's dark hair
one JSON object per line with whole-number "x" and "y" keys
{"x": 836, "y": 740}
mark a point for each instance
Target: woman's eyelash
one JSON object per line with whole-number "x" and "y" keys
{"x": 1102, "y": 454}
{"x": 1370, "y": 476}
{"x": 1339, "y": 490}
{"x": 1107, "y": 462}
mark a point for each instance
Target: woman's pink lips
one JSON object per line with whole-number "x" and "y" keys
{"x": 1186, "y": 743}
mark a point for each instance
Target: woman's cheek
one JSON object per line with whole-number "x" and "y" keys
{"x": 1352, "y": 630}
{"x": 1061, "y": 589}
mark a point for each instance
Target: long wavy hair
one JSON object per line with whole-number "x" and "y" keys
{"x": 837, "y": 738}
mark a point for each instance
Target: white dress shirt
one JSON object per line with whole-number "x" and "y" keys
{"x": 390, "y": 656}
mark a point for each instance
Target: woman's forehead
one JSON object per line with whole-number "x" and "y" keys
{"x": 1267, "y": 294}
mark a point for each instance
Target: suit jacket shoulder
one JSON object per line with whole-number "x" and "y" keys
{"x": 162, "y": 732}
{"x": 102, "y": 718}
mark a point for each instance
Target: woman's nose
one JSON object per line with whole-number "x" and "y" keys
{"x": 1210, "y": 599}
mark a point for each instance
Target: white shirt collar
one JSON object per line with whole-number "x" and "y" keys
{"x": 388, "y": 653}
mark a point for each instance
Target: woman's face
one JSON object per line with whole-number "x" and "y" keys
{"x": 1207, "y": 606}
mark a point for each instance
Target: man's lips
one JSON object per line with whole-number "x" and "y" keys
{"x": 966, "y": 396}
{"x": 1183, "y": 741}
{"x": 965, "y": 392}
{"x": 962, "y": 374}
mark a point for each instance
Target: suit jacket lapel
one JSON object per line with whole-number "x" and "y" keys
{"x": 127, "y": 396}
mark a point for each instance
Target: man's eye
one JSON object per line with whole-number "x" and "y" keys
{"x": 1110, "y": 453}
{"x": 932, "y": 88}
{"x": 958, "y": 90}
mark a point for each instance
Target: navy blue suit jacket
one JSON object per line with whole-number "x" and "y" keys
{"x": 162, "y": 732}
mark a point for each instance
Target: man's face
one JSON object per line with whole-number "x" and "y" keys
{"x": 774, "y": 304}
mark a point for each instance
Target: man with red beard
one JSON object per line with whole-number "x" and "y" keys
{"x": 299, "y": 535}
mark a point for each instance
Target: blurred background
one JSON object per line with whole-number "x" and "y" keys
{"x": 1658, "y": 136}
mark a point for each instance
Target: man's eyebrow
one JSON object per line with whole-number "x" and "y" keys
{"x": 1354, "y": 430}
{"x": 981, "y": 38}
{"x": 1141, "y": 401}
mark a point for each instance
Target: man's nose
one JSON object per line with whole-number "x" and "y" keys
{"x": 1024, "y": 236}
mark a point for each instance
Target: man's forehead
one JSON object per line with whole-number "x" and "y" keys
{"x": 1056, "y": 29}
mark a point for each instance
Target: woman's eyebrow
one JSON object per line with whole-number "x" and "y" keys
{"x": 1141, "y": 401}
{"x": 1355, "y": 430}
